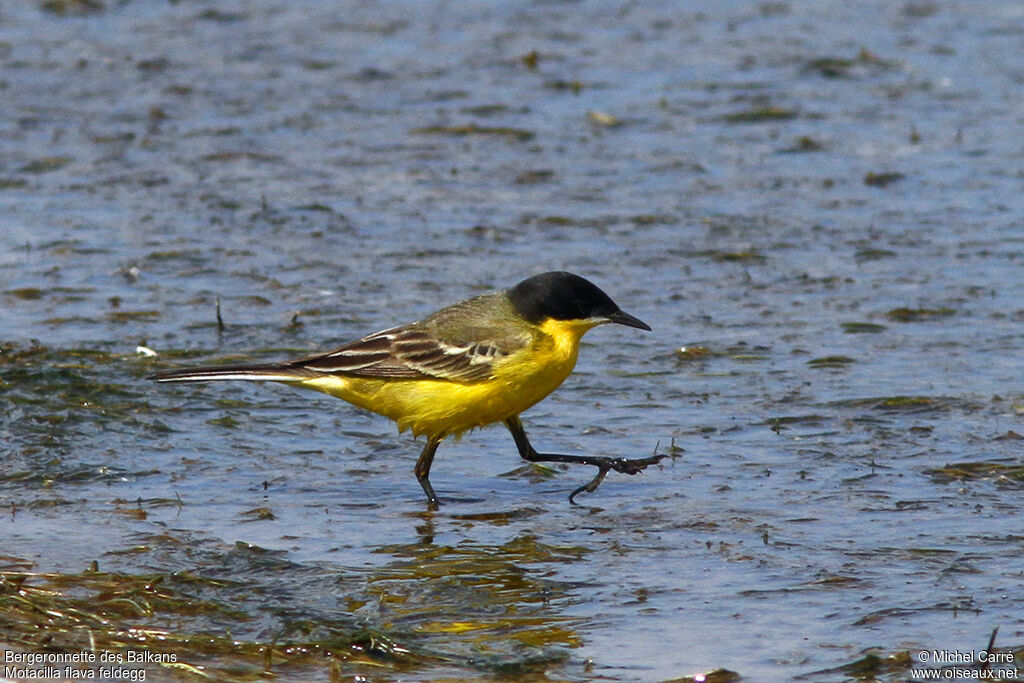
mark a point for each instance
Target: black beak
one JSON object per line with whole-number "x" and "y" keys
{"x": 623, "y": 318}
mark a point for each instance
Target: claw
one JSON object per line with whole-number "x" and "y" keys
{"x": 636, "y": 465}
{"x": 592, "y": 485}
{"x": 623, "y": 465}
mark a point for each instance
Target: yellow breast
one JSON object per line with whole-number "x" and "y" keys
{"x": 440, "y": 408}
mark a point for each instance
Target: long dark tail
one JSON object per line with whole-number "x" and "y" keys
{"x": 259, "y": 372}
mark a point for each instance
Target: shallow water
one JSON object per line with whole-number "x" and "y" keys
{"x": 819, "y": 201}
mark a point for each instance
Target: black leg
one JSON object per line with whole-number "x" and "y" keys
{"x": 527, "y": 452}
{"x": 422, "y": 470}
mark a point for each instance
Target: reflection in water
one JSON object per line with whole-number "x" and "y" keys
{"x": 497, "y": 602}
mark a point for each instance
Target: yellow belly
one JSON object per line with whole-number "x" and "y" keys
{"x": 439, "y": 408}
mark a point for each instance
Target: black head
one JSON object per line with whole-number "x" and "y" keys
{"x": 564, "y": 296}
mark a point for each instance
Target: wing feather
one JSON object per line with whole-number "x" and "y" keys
{"x": 408, "y": 352}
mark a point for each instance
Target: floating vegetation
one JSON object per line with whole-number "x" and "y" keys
{"x": 486, "y": 110}
{"x": 761, "y": 115}
{"x": 45, "y": 164}
{"x": 745, "y": 255}
{"x": 981, "y": 469}
{"x": 601, "y": 119}
{"x": 872, "y": 179}
{"x": 873, "y": 255}
{"x": 240, "y": 156}
{"x": 315, "y": 206}
{"x": 812, "y": 419}
{"x": 534, "y": 177}
{"x": 518, "y": 134}
{"x": 911, "y": 315}
{"x": 145, "y": 618}
{"x": 227, "y": 422}
{"x": 654, "y": 219}
{"x": 863, "y": 328}
{"x": 46, "y": 477}
{"x": 530, "y": 60}
{"x": 804, "y": 143}
{"x": 71, "y": 7}
{"x": 780, "y": 423}
{"x": 877, "y": 666}
{"x": 274, "y": 618}
{"x": 830, "y": 67}
{"x": 693, "y": 352}
{"x": 573, "y": 86}
{"x": 259, "y": 514}
{"x": 193, "y": 256}
{"x": 904, "y": 403}
{"x": 870, "y": 667}
{"x": 741, "y": 255}
{"x": 842, "y": 67}
{"x": 831, "y": 362}
{"x": 154, "y": 65}
{"x": 25, "y": 293}
{"x": 713, "y": 676}
{"x": 132, "y": 316}
{"x": 748, "y": 357}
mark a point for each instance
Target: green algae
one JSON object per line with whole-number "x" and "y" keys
{"x": 472, "y": 129}
{"x": 761, "y": 115}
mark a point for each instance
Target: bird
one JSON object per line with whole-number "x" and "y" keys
{"x": 476, "y": 362}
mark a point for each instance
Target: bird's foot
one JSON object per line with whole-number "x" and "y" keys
{"x": 603, "y": 465}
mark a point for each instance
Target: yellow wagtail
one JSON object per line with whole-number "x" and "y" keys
{"x": 483, "y": 360}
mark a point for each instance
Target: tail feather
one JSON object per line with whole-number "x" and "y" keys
{"x": 262, "y": 372}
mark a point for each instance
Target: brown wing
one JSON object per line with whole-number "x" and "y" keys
{"x": 410, "y": 353}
